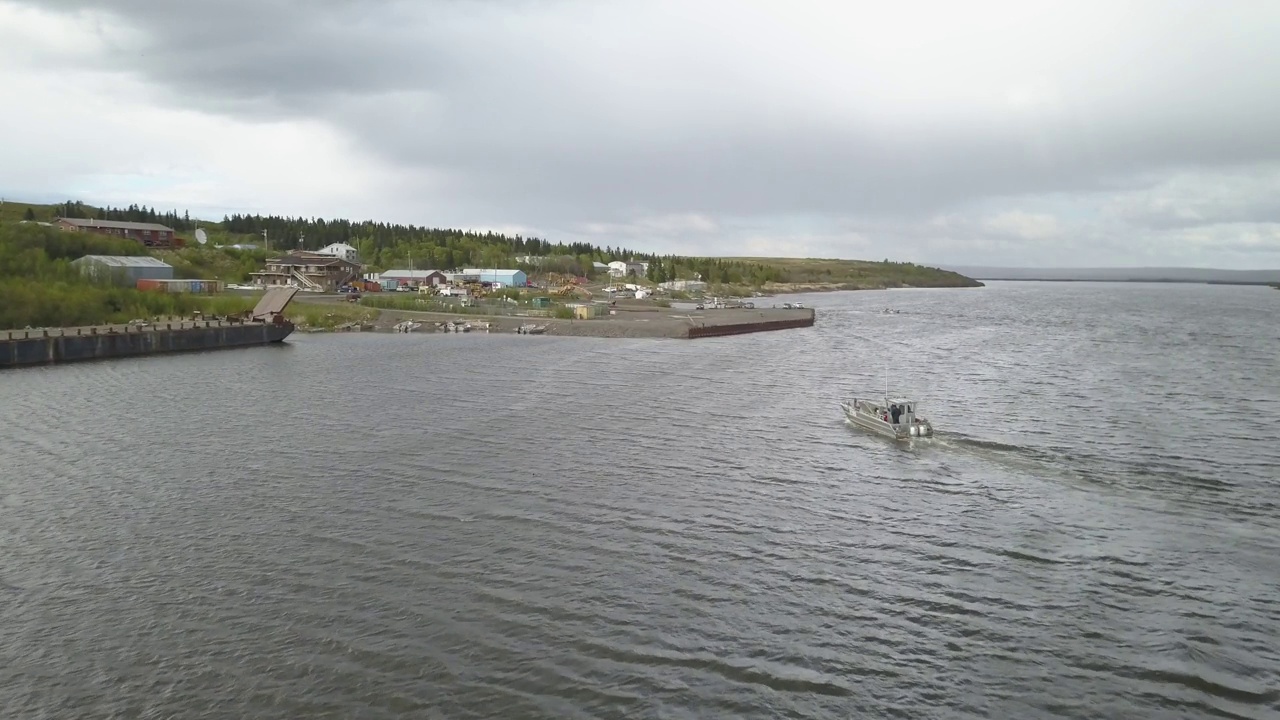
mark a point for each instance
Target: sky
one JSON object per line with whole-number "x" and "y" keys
{"x": 982, "y": 133}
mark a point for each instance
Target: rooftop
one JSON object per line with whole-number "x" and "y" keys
{"x": 308, "y": 258}
{"x": 126, "y": 261}
{"x": 115, "y": 224}
{"x": 413, "y": 274}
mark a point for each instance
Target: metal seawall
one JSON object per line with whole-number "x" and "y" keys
{"x": 22, "y": 348}
{"x": 751, "y": 327}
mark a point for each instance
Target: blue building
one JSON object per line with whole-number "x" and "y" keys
{"x": 507, "y": 278}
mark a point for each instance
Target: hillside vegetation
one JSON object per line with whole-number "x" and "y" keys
{"x": 38, "y": 287}
{"x": 829, "y": 274}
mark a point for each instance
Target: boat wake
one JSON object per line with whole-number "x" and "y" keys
{"x": 996, "y": 450}
{"x": 1091, "y": 470}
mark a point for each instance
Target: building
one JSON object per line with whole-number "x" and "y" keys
{"x": 124, "y": 270}
{"x": 307, "y": 270}
{"x": 620, "y": 268}
{"x": 149, "y": 234}
{"x": 599, "y": 267}
{"x": 461, "y": 278}
{"x": 414, "y": 278}
{"x": 198, "y": 287}
{"x": 342, "y": 250}
{"x": 684, "y": 285}
{"x": 505, "y": 278}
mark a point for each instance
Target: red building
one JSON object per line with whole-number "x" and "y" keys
{"x": 149, "y": 234}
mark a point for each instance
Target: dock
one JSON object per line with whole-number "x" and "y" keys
{"x": 263, "y": 325}
{"x": 651, "y": 322}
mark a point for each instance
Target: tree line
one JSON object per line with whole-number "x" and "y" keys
{"x": 134, "y": 213}
{"x": 383, "y": 246}
{"x": 370, "y": 238}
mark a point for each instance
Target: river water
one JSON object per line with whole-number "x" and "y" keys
{"x": 461, "y": 526}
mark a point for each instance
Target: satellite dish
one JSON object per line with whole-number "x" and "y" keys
{"x": 201, "y": 237}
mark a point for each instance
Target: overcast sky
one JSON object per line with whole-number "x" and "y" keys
{"x": 998, "y": 133}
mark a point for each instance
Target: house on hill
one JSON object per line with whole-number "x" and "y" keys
{"x": 149, "y": 234}
{"x": 620, "y": 268}
{"x": 342, "y": 250}
{"x": 307, "y": 270}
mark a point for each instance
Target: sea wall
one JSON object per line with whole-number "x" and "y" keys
{"x": 741, "y": 328}
{"x": 39, "y": 347}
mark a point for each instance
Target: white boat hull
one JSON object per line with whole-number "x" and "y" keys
{"x": 860, "y": 417}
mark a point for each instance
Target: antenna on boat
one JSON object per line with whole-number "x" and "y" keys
{"x": 884, "y": 359}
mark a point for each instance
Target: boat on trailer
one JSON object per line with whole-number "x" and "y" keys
{"x": 894, "y": 418}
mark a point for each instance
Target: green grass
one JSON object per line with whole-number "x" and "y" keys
{"x": 301, "y": 314}
{"x": 427, "y": 303}
{"x": 210, "y": 263}
{"x": 16, "y": 211}
{"x": 859, "y": 274}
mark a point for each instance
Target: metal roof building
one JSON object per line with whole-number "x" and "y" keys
{"x": 123, "y": 269}
{"x": 508, "y": 278}
{"x": 113, "y": 224}
{"x": 413, "y": 276}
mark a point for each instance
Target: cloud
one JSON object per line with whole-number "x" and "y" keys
{"x": 1025, "y": 225}
{"x": 1044, "y": 129}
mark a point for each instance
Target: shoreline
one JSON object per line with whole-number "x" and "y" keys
{"x": 55, "y": 346}
{"x": 802, "y": 288}
{"x": 627, "y": 323}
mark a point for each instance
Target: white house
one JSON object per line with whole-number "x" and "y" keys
{"x": 341, "y": 250}
{"x": 618, "y": 268}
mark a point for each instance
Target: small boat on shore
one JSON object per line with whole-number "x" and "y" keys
{"x": 406, "y": 326}
{"x": 894, "y": 418}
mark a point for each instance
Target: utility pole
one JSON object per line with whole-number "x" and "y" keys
{"x": 266, "y": 244}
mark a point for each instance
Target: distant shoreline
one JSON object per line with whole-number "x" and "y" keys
{"x": 1261, "y": 283}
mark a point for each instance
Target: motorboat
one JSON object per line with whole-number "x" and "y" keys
{"x": 894, "y": 418}
{"x": 406, "y": 326}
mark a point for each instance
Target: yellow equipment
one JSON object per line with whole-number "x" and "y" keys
{"x": 570, "y": 289}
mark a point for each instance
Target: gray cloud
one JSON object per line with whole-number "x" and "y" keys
{"x": 563, "y": 113}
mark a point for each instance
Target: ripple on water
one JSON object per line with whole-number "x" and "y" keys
{"x": 428, "y": 526}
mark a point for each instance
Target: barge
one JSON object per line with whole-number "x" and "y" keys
{"x": 263, "y": 325}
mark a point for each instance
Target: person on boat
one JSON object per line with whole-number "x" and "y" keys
{"x": 895, "y": 411}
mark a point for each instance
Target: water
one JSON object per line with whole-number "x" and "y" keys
{"x": 459, "y": 526}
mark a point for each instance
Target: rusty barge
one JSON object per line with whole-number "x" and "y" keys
{"x": 263, "y": 325}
